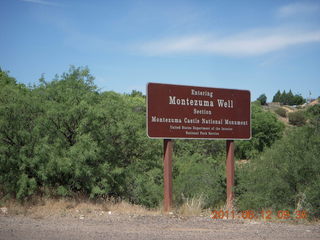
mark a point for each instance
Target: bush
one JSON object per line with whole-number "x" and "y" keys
{"x": 143, "y": 182}
{"x": 64, "y": 138}
{"x": 266, "y": 129}
{"x": 297, "y": 118}
{"x": 197, "y": 176}
{"x": 262, "y": 99}
{"x": 286, "y": 176}
{"x": 314, "y": 111}
{"x": 281, "y": 112}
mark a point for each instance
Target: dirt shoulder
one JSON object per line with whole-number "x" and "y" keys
{"x": 62, "y": 219}
{"x": 125, "y": 226}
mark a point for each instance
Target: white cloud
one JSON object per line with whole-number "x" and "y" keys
{"x": 42, "y": 2}
{"x": 245, "y": 44}
{"x": 298, "y": 8}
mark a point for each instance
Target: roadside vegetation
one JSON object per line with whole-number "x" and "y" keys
{"x": 66, "y": 139}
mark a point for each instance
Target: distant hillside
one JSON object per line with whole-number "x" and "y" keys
{"x": 282, "y": 111}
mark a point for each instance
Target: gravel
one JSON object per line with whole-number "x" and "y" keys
{"x": 122, "y": 226}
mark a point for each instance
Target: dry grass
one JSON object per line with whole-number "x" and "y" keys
{"x": 192, "y": 207}
{"x": 124, "y": 207}
{"x": 44, "y": 208}
{"x": 75, "y": 208}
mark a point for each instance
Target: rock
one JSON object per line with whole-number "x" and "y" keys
{"x": 4, "y": 210}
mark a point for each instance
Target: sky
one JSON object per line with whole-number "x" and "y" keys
{"x": 261, "y": 46}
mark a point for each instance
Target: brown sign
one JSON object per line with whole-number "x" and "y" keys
{"x": 176, "y": 111}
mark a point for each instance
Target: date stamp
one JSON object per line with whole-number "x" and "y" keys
{"x": 266, "y": 215}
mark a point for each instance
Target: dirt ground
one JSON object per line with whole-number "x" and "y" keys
{"x": 127, "y": 226}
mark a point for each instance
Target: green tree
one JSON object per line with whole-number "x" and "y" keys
{"x": 19, "y": 136}
{"x": 136, "y": 93}
{"x": 262, "y": 99}
{"x": 277, "y": 97}
{"x": 63, "y": 138}
{"x": 290, "y": 98}
{"x": 284, "y": 98}
{"x": 73, "y": 162}
{"x": 266, "y": 129}
{"x": 286, "y": 176}
{"x": 298, "y": 100}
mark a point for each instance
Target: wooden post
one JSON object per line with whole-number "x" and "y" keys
{"x": 167, "y": 165}
{"x": 230, "y": 173}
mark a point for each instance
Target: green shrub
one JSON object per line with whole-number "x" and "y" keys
{"x": 199, "y": 176}
{"x": 145, "y": 188}
{"x": 266, "y": 129}
{"x": 63, "y": 138}
{"x": 286, "y": 176}
{"x": 297, "y": 118}
{"x": 314, "y": 111}
{"x": 313, "y": 114}
{"x": 262, "y": 99}
{"x": 281, "y": 112}
{"x": 62, "y": 191}
{"x": 26, "y": 187}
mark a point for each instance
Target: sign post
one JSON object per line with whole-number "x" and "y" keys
{"x": 230, "y": 173}
{"x": 190, "y": 112}
{"x": 167, "y": 168}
